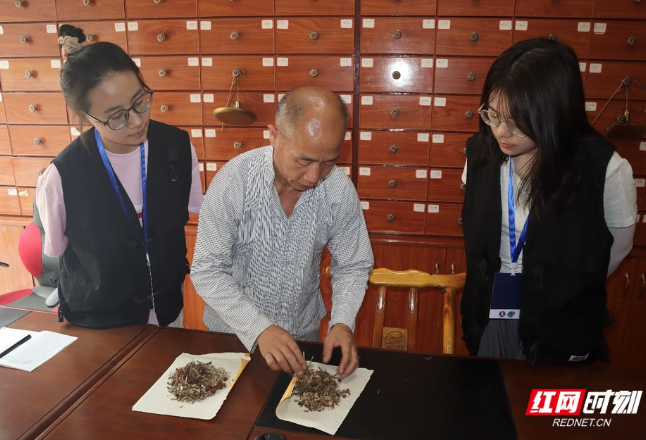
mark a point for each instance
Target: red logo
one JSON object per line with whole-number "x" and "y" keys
{"x": 555, "y": 402}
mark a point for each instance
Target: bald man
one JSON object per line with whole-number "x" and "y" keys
{"x": 266, "y": 217}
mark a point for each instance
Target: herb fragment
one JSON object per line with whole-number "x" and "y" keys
{"x": 317, "y": 390}
{"x": 196, "y": 381}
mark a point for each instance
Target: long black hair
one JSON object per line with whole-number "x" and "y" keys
{"x": 539, "y": 82}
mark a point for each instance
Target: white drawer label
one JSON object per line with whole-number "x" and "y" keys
{"x": 348, "y": 136}
{"x": 196, "y": 132}
{"x": 595, "y": 67}
{"x": 191, "y": 25}
{"x": 436, "y": 174}
{"x": 206, "y": 62}
{"x": 267, "y": 62}
{"x": 346, "y": 23}
{"x": 368, "y": 22}
{"x": 4, "y": 64}
{"x": 193, "y": 61}
{"x": 209, "y": 97}
{"x": 74, "y": 131}
{"x": 599, "y": 28}
{"x": 201, "y": 167}
{"x": 366, "y": 100}
{"x": 583, "y": 26}
{"x": 0, "y": 97}
{"x": 365, "y": 205}
{"x": 421, "y": 174}
{"x": 195, "y": 97}
{"x": 590, "y": 106}
{"x": 267, "y": 24}
{"x": 425, "y": 101}
{"x": 346, "y": 170}
{"x": 1, "y": 30}
{"x": 439, "y": 102}
{"x": 642, "y": 146}
{"x": 582, "y": 66}
{"x": 428, "y": 23}
{"x": 346, "y": 98}
{"x": 137, "y": 61}
{"x": 364, "y": 171}
{"x": 55, "y": 64}
{"x": 209, "y": 132}
{"x": 205, "y": 25}
{"x": 504, "y": 25}
{"x": 418, "y": 207}
{"x": 422, "y": 137}
{"x": 282, "y": 61}
{"x": 12, "y": 191}
{"x": 211, "y": 166}
{"x": 51, "y": 29}
{"x": 640, "y": 183}
{"x": 268, "y": 97}
{"x": 133, "y": 26}
{"x": 442, "y": 63}
{"x": 427, "y": 63}
{"x": 521, "y": 25}
{"x": 282, "y": 24}
{"x": 345, "y": 62}
{"x": 365, "y": 135}
{"x": 433, "y": 209}
{"x": 265, "y": 134}
{"x": 438, "y": 139}
{"x": 367, "y": 62}
{"x": 444, "y": 24}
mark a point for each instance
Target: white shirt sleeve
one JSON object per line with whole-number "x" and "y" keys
{"x": 619, "y": 194}
{"x": 51, "y": 207}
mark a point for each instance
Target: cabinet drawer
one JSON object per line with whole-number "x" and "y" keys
{"x": 35, "y": 108}
{"x": 162, "y": 9}
{"x": 162, "y": 37}
{"x": 634, "y": 152}
{"x": 393, "y": 147}
{"x": 263, "y": 105}
{"x": 394, "y": 217}
{"x": 552, "y": 8}
{"x": 225, "y": 8}
{"x": 398, "y": 35}
{"x": 5, "y": 145}
{"x": 89, "y": 10}
{"x": 317, "y": 7}
{"x": 449, "y": 150}
{"x": 401, "y": 74}
{"x": 631, "y": 9}
{"x": 394, "y": 183}
{"x": 574, "y": 33}
{"x": 237, "y": 36}
{"x": 29, "y": 40}
{"x": 461, "y": 75}
{"x": 254, "y": 72}
{"x": 9, "y": 203}
{"x": 444, "y": 219}
{"x": 210, "y": 169}
{"x": 603, "y": 77}
{"x": 398, "y": 7}
{"x": 26, "y": 199}
{"x": 445, "y": 185}
{"x": 618, "y": 40}
{"x": 30, "y": 74}
{"x": 345, "y": 156}
{"x": 315, "y": 35}
{"x": 112, "y": 31}
{"x": 6, "y": 171}
{"x": 475, "y": 8}
{"x": 177, "y": 108}
{"x": 28, "y": 169}
{"x": 38, "y": 140}
{"x": 455, "y": 113}
{"x": 395, "y": 111}
{"x": 170, "y": 72}
{"x": 472, "y": 36}
{"x": 197, "y": 139}
{"x": 330, "y": 72}
{"x": 228, "y": 143}
{"x": 24, "y": 11}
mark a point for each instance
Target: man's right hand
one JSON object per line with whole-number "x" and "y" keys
{"x": 281, "y": 351}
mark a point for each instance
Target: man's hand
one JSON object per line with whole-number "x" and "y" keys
{"x": 281, "y": 351}
{"x": 340, "y": 335}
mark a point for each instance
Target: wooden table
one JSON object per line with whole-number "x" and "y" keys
{"x": 30, "y": 401}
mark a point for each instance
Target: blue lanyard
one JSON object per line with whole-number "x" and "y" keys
{"x": 514, "y": 248}
{"x": 113, "y": 181}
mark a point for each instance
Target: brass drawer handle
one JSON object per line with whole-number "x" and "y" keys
{"x": 157, "y": 1}
{"x": 463, "y": 187}
{"x": 474, "y": 36}
{"x": 397, "y": 35}
{"x": 641, "y": 291}
{"x": 464, "y": 151}
{"x": 234, "y": 35}
{"x": 32, "y": 108}
{"x": 314, "y": 35}
{"x": 552, "y": 37}
{"x": 29, "y": 73}
{"x": 632, "y": 41}
{"x": 237, "y": 144}
{"x": 236, "y": 73}
{"x": 37, "y": 141}
{"x": 437, "y": 267}
{"x": 314, "y": 73}
{"x": 39, "y": 172}
{"x": 90, "y": 37}
{"x": 19, "y": 3}
{"x": 396, "y": 75}
{"x": 164, "y": 108}
{"x": 460, "y": 221}
{"x": 394, "y": 113}
{"x": 393, "y": 148}
{"x": 627, "y": 286}
{"x": 162, "y": 73}
{"x": 468, "y": 114}
{"x": 392, "y": 183}
{"x": 161, "y": 37}
{"x": 390, "y": 217}
{"x": 87, "y": 2}
{"x": 472, "y": 76}
{"x": 24, "y": 40}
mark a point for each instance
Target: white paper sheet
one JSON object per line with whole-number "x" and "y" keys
{"x": 39, "y": 349}
{"x": 328, "y": 420}
{"x": 158, "y": 400}
{"x": 10, "y": 336}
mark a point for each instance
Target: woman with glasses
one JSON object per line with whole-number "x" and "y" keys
{"x": 549, "y": 212}
{"x": 114, "y": 203}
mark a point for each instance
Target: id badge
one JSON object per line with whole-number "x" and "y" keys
{"x": 505, "y": 298}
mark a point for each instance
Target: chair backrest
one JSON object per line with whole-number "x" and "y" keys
{"x": 404, "y": 339}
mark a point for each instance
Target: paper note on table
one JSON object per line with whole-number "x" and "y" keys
{"x": 36, "y": 351}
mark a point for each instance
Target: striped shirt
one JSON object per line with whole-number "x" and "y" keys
{"x": 254, "y": 266}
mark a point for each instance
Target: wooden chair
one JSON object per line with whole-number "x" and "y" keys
{"x": 404, "y": 339}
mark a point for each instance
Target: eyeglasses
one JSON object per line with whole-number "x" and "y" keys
{"x": 493, "y": 120}
{"x": 119, "y": 119}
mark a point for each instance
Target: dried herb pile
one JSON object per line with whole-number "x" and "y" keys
{"x": 196, "y": 381}
{"x": 317, "y": 390}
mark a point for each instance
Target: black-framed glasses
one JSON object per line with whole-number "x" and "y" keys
{"x": 493, "y": 120}
{"x": 120, "y": 118}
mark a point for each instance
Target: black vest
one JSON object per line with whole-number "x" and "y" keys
{"x": 565, "y": 263}
{"x": 105, "y": 281}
